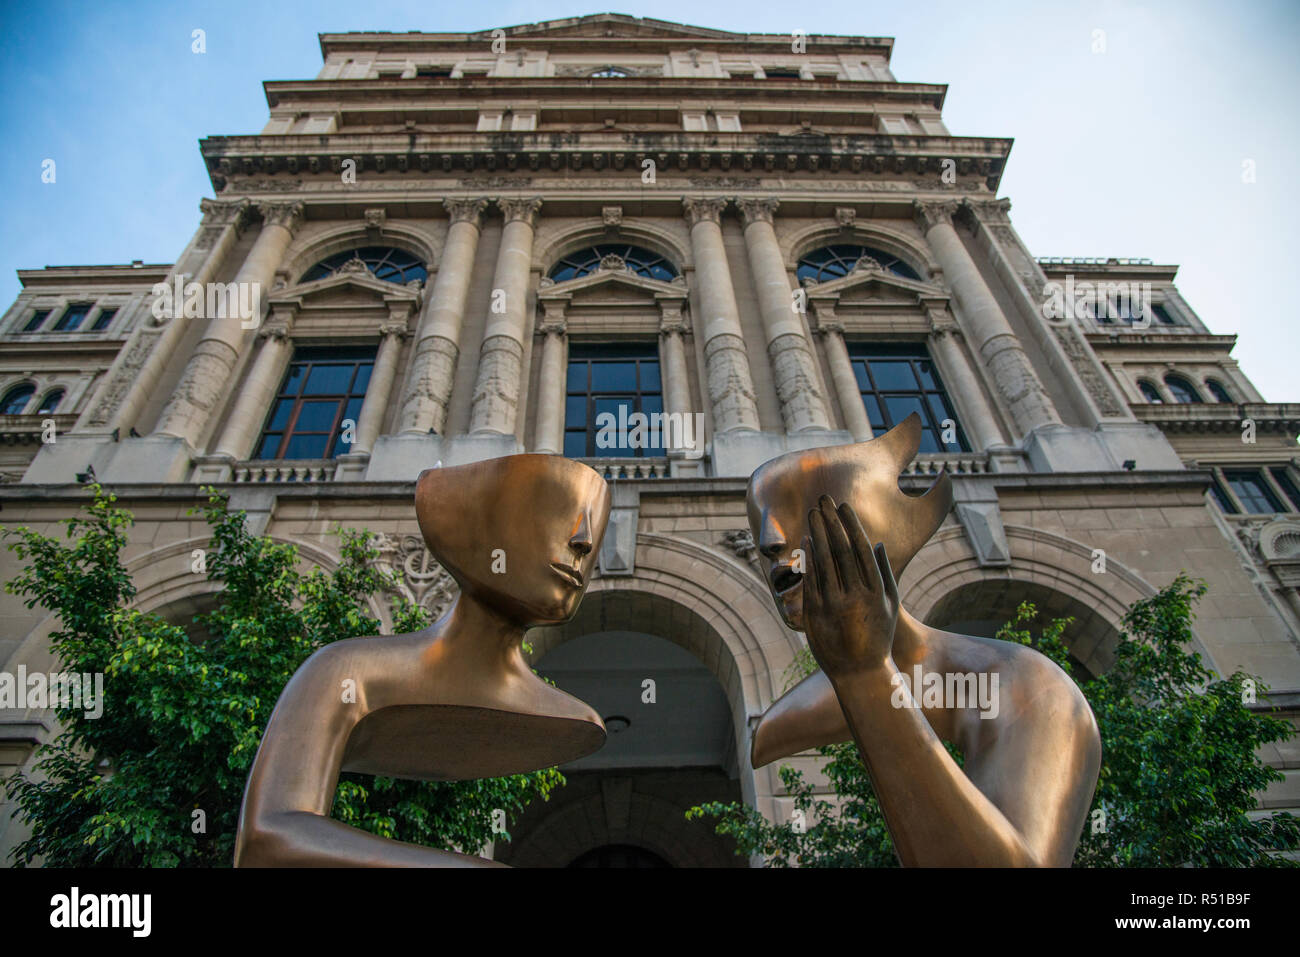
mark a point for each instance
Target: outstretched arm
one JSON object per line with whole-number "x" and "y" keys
{"x": 936, "y": 814}
{"x": 285, "y": 818}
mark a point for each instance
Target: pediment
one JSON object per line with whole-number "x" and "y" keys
{"x": 348, "y": 288}
{"x": 616, "y": 25}
{"x": 611, "y": 284}
{"x": 871, "y": 282}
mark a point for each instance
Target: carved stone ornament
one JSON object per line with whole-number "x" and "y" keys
{"x": 420, "y": 579}
{"x": 613, "y": 261}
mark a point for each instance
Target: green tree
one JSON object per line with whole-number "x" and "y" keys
{"x": 1179, "y": 770}
{"x": 183, "y": 716}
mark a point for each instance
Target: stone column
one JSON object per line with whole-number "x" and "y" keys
{"x": 731, "y": 387}
{"x": 371, "y": 417}
{"x": 986, "y": 328}
{"x": 676, "y": 381}
{"x": 437, "y": 345}
{"x": 210, "y": 369}
{"x": 258, "y": 390}
{"x": 795, "y": 370}
{"x": 133, "y": 380}
{"x": 551, "y": 388}
{"x": 500, "y": 365}
{"x": 963, "y": 387}
{"x": 846, "y": 382}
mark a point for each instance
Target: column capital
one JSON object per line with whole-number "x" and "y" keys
{"x": 671, "y": 320}
{"x": 288, "y": 215}
{"x": 553, "y": 318}
{"x": 393, "y": 327}
{"x": 829, "y": 327}
{"x": 699, "y": 210}
{"x": 758, "y": 210}
{"x": 931, "y": 214}
{"x": 989, "y": 210}
{"x": 465, "y": 210}
{"x": 219, "y": 212}
{"x": 520, "y": 210}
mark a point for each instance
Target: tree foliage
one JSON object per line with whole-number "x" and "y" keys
{"x": 1179, "y": 775}
{"x": 183, "y": 716}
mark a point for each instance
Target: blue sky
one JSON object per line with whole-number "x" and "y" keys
{"x": 1136, "y": 151}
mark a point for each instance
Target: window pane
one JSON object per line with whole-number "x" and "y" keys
{"x": 860, "y": 370}
{"x": 71, "y": 319}
{"x": 577, "y": 377}
{"x": 16, "y": 399}
{"x": 362, "y": 378}
{"x": 652, "y": 404}
{"x": 328, "y": 380}
{"x": 280, "y": 418}
{"x": 575, "y": 411}
{"x": 317, "y": 416}
{"x": 353, "y": 410}
{"x": 929, "y": 442}
{"x": 901, "y": 406}
{"x": 1284, "y": 482}
{"x": 103, "y": 320}
{"x": 1221, "y": 497}
{"x": 37, "y": 320}
{"x": 874, "y": 414}
{"x": 939, "y": 406}
{"x": 51, "y": 401}
{"x": 929, "y": 378}
{"x": 649, "y": 377}
{"x": 293, "y": 381}
{"x": 613, "y": 376}
{"x": 1254, "y": 495}
{"x": 891, "y": 376}
{"x": 575, "y": 444}
{"x": 270, "y": 446}
{"x": 306, "y": 447}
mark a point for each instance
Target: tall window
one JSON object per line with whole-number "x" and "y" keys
{"x": 897, "y": 380}
{"x": 1252, "y": 491}
{"x": 51, "y": 401}
{"x": 73, "y": 317}
{"x": 1182, "y": 390}
{"x": 832, "y": 262}
{"x": 322, "y": 390}
{"x": 386, "y": 263}
{"x": 606, "y": 386}
{"x": 1216, "y": 389}
{"x": 641, "y": 261}
{"x": 1149, "y": 391}
{"x": 16, "y": 399}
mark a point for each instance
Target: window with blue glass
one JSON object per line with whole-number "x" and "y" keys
{"x": 323, "y": 389}
{"x": 37, "y": 320}
{"x": 832, "y": 262}
{"x": 51, "y": 401}
{"x": 1252, "y": 491}
{"x": 1149, "y": 391}
{"x": 384, "y": 262}
{"x": 641, "y": 261}
{"x": 897, "y": 380}
{"x": 1182, "y": 390}
{"x": 16, "y": 399}
{"x": 103, "y": 320}
{"x": 607, "y": 386}
{"x": 1288, "y": 487}
{"x": 73, "y": 317}
{"x": 1217, "y": 390}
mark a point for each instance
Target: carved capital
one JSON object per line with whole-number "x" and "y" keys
{"x": 830, "y": 327}
{"x": 671, "y": 320}
{"x": 276, "y": 328}
{"x": 288, "y": 215}
{"x": 520, "y": 210}
{"x": 701, "y": 210}
{"x": 465, "y": 210}
{"x": 929, "y": 215}
{"x": 220, "y": 212}
{"x": 393, "y": 327}
{"x": 989, "y": 210}
{"x": 758, "y": 210}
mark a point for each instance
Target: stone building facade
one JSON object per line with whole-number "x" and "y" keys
{"x": 453, "y": 246}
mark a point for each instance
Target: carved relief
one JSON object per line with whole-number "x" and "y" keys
{"x": 465, "y": 210}
{"x": 520, "y": 210}
{"x": 701, "y": 210}
{"x": 419, "y": 577}
{"x": 802, "y": 404}
{"x": 731, "y": 390}
{"x": 424, "y": 406}
{"x": 496, "y": 396}
{"x": 137, "y": 353}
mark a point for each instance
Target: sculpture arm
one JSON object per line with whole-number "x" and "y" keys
{"x": 284, "y": 821}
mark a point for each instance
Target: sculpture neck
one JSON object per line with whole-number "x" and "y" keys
{"x": 479, "y": 631}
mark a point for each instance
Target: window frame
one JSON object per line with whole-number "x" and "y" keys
{"x": 308, "y": 357}
{"x": 913, "y": 352}
{"x": 888, "y": 261}
{"x": 5, "y": 397}
{"x": 1197, "y": 398}
{"x": 1275, "y": 491}
{"x": 611, "y": 352}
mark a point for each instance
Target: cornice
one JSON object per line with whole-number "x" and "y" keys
{"x": 1163, "y": 340}
{"x": 1220, "y": 417}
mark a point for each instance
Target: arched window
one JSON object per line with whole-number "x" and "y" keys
{"x": 832, "y": 262}
{"x": 614, "y": 256}
{"x": 51, "y": 401}
{"x": 609, "y": 71}
{"x": 1183, "y": 391}
{"x": 1149, "y": 391}
{"x": 1216, "y": 389}
{"x": 385, "y": 262}
{"x": 16, "y": 399}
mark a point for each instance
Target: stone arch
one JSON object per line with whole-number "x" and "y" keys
{"x": 1040, "y": 560}
{"x": 306, "y": 252}
{"x": 707, "y": 604}
{"x": 891, "y": 239}
{"x": 592, "y": 233}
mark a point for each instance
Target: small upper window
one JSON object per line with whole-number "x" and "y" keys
{"x": 610, "y": 71}
{"x": 641, "y": 261}
{"x": 1253, "y": 492}
{"x": 103, "y": 320}
{"x": 784, "y": 73}
{"x": 73, "y": 317}
{"x": 16, "y": 399}
{"x": 1182, "y": 390}
{"x": 832, "y": 262}
{"x": 1216, "y": 389}
{"x": 37, "y": 320}
{"x": 51, "y": 401}
{"x": 386, "y": 263}
{"x": 433, "y": 73}
{"x": 1162, "y": 314}
{"x": 1149, "y": 391}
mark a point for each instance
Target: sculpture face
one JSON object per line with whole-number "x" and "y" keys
{"x": 865, "y": 475}
{"x": 519, "y": 533}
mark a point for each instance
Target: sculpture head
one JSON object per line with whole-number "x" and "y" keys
{"x": 520, "y": 533}
{"x": 865, "y": 475}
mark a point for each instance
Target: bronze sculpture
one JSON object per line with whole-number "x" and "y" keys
{"x": 454, "y": 701}
{"x": 1030, "y": 767}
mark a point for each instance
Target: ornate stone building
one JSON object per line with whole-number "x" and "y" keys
{"x": 451, "y": 246}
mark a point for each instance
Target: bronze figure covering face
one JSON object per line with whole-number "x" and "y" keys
{"x": 457, "y": 700}
{"x": 834, "y": 527}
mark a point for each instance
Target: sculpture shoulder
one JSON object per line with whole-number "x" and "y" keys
{"x": 349, "y": 664}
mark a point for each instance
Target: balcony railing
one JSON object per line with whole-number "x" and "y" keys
{"x": 957, "y": 463}
{"x": 284, "y": 470}
{"x": 629, "y": 468}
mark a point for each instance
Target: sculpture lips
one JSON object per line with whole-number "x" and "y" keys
{"x": 568, "y": 572}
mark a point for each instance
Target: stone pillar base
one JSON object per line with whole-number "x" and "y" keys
{"x": 402, "y": 457}
{"x": 213, "y": 469}
{"x": 58, "y": 463}
{"x": 352, "y": 467}
{"x": 151, "y": 459}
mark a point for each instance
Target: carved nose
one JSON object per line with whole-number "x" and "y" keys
{"x": 771, "y": 541}
{"x": 580, "y": 540}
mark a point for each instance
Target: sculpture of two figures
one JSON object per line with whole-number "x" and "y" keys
{"x": 458, "y": 700}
